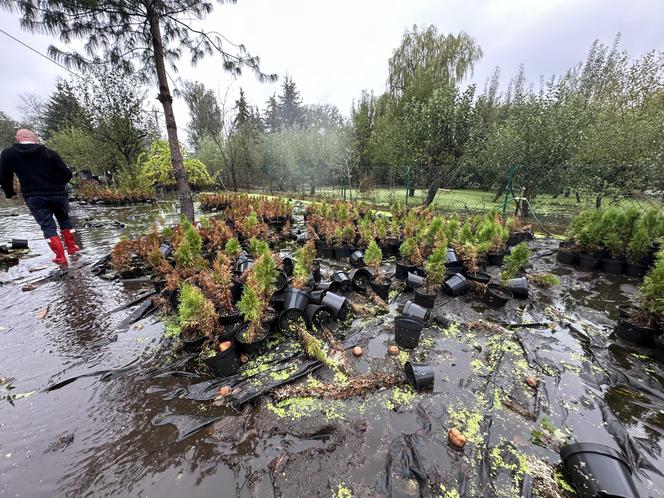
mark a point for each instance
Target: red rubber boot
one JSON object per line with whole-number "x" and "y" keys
{"x": 56, "y": 246}
{"x": 72, "y": 248}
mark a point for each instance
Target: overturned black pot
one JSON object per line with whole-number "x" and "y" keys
{"x": 495, "y": 258}
{"x": 382, "y": 289}
{"x": 329, "y": 286}
{"x": 287, "y": 263}
{"x": 344, "y": 281}
{"x": 614, "y": 266}
{"x": 342, "y": 251}
{"x": 598, "y": 471}
{"x": 282, "y": 281}
{"x": 407, "y": 331}
{"x": 414, "y": 310}
{"x": 361, "y": 279}
{"x": 315, "y": 271}
{"x": 336, "y": 303}
{"x": 456, "y": 285}
{"x": 224, "y": 364}
{"x": 634, "y": 333}
{"x": 479, "y": 277}
{"x": 636, "y": 270}
{"x": 518, "y": 287}
{"x": 166, "y": 250}
{"x": 425, "y": 297}
{"x": 419, "y": 375}
{"x": 516, "y": 238}
{"x": 496, "y": 295}
{"x": 316, "y": 296}
{"x": 19, "y": 243}
{"x": 320, "y": 317}
{"x": 357, "y": 259}
{"x": 413, "y": 281}
{"x": 402, "y": 269}
{"x": 242, "y": 265}
{"x": 293, "y": 314}
{"x": 302, "y": 238}
{"x": 453, "y": 260}
{"x": 587, "y": 262}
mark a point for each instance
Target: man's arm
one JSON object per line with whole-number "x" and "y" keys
{"x": 60, "y": 167}
{"x": 6, "y": 176}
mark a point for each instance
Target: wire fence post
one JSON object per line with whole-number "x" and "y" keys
{"x": 508, "y": 187}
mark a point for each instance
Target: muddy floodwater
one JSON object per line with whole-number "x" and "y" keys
{"x": 93, "y": 404}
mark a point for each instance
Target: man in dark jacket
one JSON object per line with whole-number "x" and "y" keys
{"x": 43, "y": 175}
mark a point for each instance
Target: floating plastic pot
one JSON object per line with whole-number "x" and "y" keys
{"x": 166, "y": 250}
{"x": 357, "y": 259}
{"x": 257, "y": 345}
{"x": 19, "y": 244}
{"x": 518, "y": 287}
{"x": 382, "y": 289}
{"x": 407, "y": 331}
{"x": 316, "y": 296}
{"x": 426, "y": 299}
{"x": 479, "y": 277}
{"x": 587, "y": 262}
{"x": 456, "y": 285}
{"x": 496, "y": 295}
{"x": 336, "y": 303}
{"x": 495, "y": 259}
{"x": 636, "y": 334}
{"x": 613, "y": 266}
{"x": 361, "y": 279}
{"x": 343, "y": 280}
{"x": 598, "y": 471}
{"x": 319, "y": 316}
{"x": 567, "y": 257}
{"x": 413, "y": 281}
{"x": 414, "y": 310}
{"x": 402, "y": 269}
{"x": 224, "y": 364}
{"x": 419, "y": 375}
{"x": 635, "y": 270}
{"x": 342, "y": 251}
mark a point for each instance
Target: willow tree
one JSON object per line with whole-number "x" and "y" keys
{"x": 139, "y": 36}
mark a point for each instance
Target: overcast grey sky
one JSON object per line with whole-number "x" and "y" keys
{"x": 333, "y": 50}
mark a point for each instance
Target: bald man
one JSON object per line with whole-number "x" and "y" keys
{"x": 43, "y": 176}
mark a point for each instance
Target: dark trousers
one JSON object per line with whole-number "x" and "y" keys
{"x": 44, "y": 208}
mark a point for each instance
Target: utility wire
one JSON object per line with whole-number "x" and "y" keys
{"x": 37, "y": 52}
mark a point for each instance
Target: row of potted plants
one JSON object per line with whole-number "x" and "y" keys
{"x": 272, "y": 210}
{"x": 616, "y": 240}
{"x": 91, "y": 192}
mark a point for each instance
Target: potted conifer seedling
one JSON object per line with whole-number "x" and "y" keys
{"x": 434, "y": 268}
{"x": 373, "y": 257}
{"x": 411, "y": 258}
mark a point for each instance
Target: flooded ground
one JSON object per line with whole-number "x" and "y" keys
{"x": 91, "y": 406}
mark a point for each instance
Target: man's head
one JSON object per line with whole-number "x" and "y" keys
{"x": 25, "y": 136}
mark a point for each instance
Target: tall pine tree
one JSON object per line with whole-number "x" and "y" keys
{"x": 63, "y": 110}
{"x": 290, "y": 105}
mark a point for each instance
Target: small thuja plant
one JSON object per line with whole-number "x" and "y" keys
{"x": 639, "y": 244}
{"x": 373, "y": 257}
{"x": 435, "y": 266}
{"x": 432, "y": 233}
{"x": 188, "y": 251}
{"x": 348, "y": 234}
{"x": 252, "y": 311}
{"x": 365, "y": 231}
{"x": 381, "y": 228}
{"x": 304, "y": 263}
{"x": 233, "y": 248}
{"x": 515, "y": 261}
{"x": 452, "y": 228}
{"x": 652, "y": 290}
{"x": 258, "y": 248}
{"x": 410, "y": 251}
{"x": 196, "y": 313}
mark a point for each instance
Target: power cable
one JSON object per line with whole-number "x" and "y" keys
{"x": 38, "y": 52}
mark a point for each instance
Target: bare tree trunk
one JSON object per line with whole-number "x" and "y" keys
{"x": 166, "y": 99}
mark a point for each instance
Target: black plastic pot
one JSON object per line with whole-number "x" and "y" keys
{"x": 414, "y": 310}
{"x": 319, "y": 316}
{"x": 193, "y": 344}
{"x": 242, "y": 265}
{"x": 302, "y": 238}
{"x": 402, "y": 269}
{"x": 423, "y": 298}
{"x": 613, "y": 266}
{"x": 158, "y": 284}
{"x": 659, "y": 348}
{"x": 518, "y": 287}
{"x": 567, "y": 257}
{"x": 315, "y": 271}
{"x": 329, "y": 286}
{"x": 636, "y": 334}
{"x": 407, "y": 331}
{"x": 295, "y": 304}
{"x": 587, "y": 262}
{"x": 287, "y": 263}
{"x": 518, "y": 237}
{"x": 342, "y": 251}
{"x": 496, "y": 295}
{"x": 636, "y": 270}
{"x": 495, "y": 258}
{"x": 327, "y": 252}
{"x": 452, "y": 258}
{"x": 482, "y": 278}
{"x": 258, "y": 344}
{"x": 336, "y": 303}
{"x": 19, "y": 244}
{"x": 419, "y": 375}
{"x": 395, "y": 244}
{"x": 166, "y": 250}
{"x": 344, "y": 281}
{"x": 382, "y": 289}
{"x": 282, "y": 281}
{"x": 231, "y": 318}
{"x": 236, "y": 290}
{"x": 456, "y": 285}
{"x": 224, "y": 364}
{"x": 357, "y": 259}
{"x": 413, "y": 281}
{"x": 361, "y": 278}
{"x": 316, "y": 296}
{"x": 598, "y": 471}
